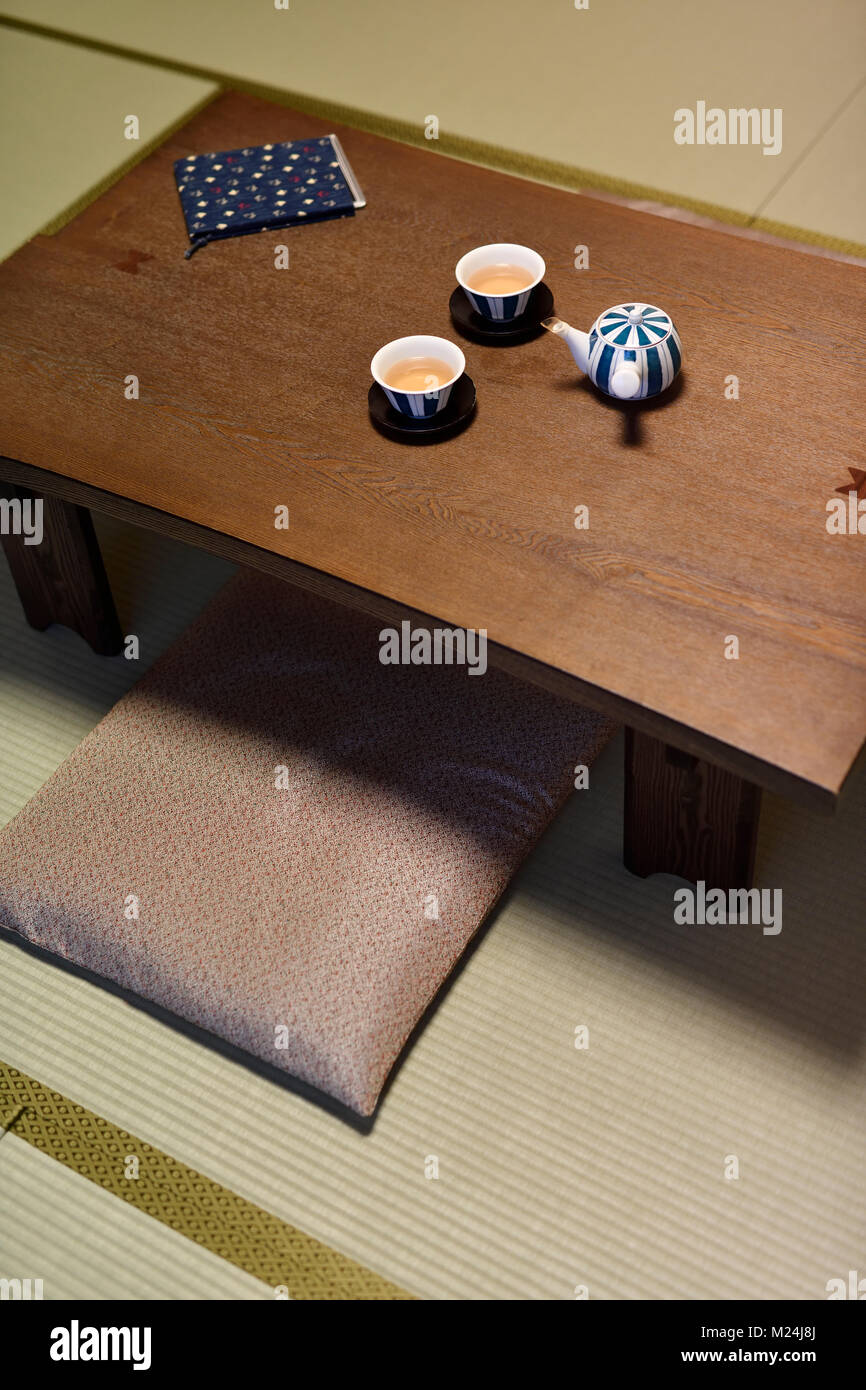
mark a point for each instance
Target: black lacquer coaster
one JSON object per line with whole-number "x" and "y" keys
{"x": 430, "y": 429}
{"x": 507, "y": 332}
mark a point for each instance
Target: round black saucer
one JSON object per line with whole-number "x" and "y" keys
{"x": 429, "y": 429}
{"x": 505, "y": 332}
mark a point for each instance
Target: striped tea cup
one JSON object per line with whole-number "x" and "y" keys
{"x": 418, "y": 404}
{"x": 472, "y": 266}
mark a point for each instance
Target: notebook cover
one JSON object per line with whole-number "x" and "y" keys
{"x": 233, "y": 192}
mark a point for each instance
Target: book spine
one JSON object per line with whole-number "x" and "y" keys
{"x": 348, "y": 173}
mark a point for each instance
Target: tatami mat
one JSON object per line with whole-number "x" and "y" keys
{"x": 594, "y": 88}
{"x": 558, "y": 1167}
{"x": 60, "y": 1228}
{"x": 62, "y": 113}
{"x": 827, "y": 190}
{"x": 55, "y": 680}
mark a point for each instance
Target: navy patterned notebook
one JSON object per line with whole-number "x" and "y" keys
{"x": 237, "y": 191}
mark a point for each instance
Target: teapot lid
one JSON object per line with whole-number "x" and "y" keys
{"x": 634, "y": 325}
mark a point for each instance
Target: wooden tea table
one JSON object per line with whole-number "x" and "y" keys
{"x": 707, "y": 509}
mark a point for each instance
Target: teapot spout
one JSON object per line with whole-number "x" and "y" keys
{"x": 577, "y": 342}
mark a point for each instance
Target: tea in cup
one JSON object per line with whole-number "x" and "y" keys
{"x": 418, "y": 373}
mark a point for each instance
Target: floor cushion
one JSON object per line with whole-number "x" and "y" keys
{"x": 287, "y": 842}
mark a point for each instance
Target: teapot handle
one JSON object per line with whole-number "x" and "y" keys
{"x": 625, "y": 383}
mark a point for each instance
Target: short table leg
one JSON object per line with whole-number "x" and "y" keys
{"x": 63, "y": 579}
{"x": 687, "y": 817}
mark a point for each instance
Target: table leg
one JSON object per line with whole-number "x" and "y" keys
{"x": 63, "y": 579}
{"x": 687, "y": 817}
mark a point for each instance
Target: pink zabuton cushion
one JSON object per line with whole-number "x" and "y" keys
{"x": 309, "y": 915}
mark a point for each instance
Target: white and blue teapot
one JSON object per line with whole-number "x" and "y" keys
{"x": 631, "y": 352}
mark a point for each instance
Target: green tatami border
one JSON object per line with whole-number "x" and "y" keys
{"x": 291, "y": 1262}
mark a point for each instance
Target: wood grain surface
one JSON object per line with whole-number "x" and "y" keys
{"x": 684, "y": 816}
{"x": 707, "y": 515}
{"x": 63, "y": 579}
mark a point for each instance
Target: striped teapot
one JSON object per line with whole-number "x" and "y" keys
{"x": 631, "y": 352}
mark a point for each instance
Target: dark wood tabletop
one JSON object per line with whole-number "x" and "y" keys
{"x": 707, "y": 514}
